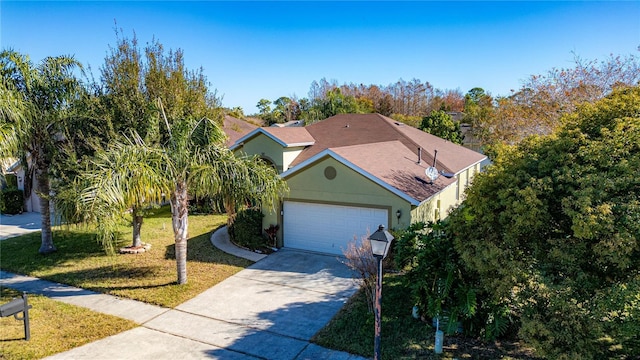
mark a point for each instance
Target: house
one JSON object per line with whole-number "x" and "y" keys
{"x": 31, "y": 198}
{"x": 352, "y": 172}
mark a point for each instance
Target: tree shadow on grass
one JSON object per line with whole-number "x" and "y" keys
{"x": 20, "y": 254}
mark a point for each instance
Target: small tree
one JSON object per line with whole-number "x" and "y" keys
{"x": 440, "y": 124}
{"x": 360, "y": 259}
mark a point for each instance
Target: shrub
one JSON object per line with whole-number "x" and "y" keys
{"x": 204, "y": 205}
{"x": 11, "y": 201}
{"x": 553, "y": 227}
{"x": 360, "y": 259}
{"x": 442, "y": 287}
{"x": 247, "y": 229}
{"x": 10, "y": 181}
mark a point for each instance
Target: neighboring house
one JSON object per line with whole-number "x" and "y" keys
{"x": 31, "y": 199}
{"x": 236, "y": 128}
{"x": 352, "y": 172}
{"x": 294, "y": 123}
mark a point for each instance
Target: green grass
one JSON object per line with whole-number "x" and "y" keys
{"x": 150, "y": 277}
{"x": 55, "y": 327}
{"x": 402, "y": 336}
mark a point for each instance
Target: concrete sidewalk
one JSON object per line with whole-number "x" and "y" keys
{"x": 267, "y": 311}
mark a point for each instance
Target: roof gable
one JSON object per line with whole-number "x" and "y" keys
{"x": 285, "y": 137}
{"x": 329, "y": 152}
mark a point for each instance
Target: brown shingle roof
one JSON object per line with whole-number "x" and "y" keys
{"x": 396, "y": 165}
{"x": 291, "y": 136}
{"x": 236, "y": 128}
{"x": 359, "y": 129}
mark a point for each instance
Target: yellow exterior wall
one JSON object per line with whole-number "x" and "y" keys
{"x": 348, "y": 188}
{"x": 268, "y": 148}
{"x": 440, "y": 205}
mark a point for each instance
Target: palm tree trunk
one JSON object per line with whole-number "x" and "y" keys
{"x": 230, "y": 208}
{"x": 137, "y": 227}
{"x": 46, "y": 245}
{"x": 179, "y": 219}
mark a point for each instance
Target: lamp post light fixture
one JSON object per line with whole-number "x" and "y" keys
{"x": 380, "y": 244}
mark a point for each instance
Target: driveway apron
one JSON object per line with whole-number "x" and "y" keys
{"x": 15, "y": 225}
{"x": 268, "y": 311}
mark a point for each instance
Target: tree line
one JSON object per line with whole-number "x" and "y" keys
{"x": 535, "y": 108}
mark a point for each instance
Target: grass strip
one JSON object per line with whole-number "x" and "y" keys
{"x": 150, "y": 277}
{"x": 54, "y": 326}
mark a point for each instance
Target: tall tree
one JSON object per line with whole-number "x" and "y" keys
{"x": 34, "y": 121}
{"x": 440, "y": 124}
{"x": 537, "y": 107}
{"x": 124, "y": 105}
{"x": 552, "y": 232}
{"x": 196, "y": 161}
{"x": 480, "y": 113}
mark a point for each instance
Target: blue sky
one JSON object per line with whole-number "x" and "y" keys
{"x": 268, "y": 49}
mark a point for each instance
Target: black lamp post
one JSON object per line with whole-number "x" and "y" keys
{"x": 380, "y": 244}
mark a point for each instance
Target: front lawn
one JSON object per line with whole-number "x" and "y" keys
{"x": 150, "y": 277}
{"x": 55, "y": 327}
{"x": 402, "y": 336}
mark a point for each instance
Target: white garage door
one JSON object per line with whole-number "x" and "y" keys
{"x": 328, "y": 228}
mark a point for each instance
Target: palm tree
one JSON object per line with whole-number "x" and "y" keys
{"x": 126, "y": 176}
{"x": 197, "y": 162}
{"x": 33, "y": 119}
{"x": 252, "y": 178}
{"x": 192, "y": 162}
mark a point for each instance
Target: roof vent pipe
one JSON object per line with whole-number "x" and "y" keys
{"x": 419, "y": 155}
{"x": 435, "y": 155}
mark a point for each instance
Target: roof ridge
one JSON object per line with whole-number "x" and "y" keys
{"x": 394, "y": 124}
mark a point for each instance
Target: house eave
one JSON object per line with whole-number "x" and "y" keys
{"x": 258, "y": 131}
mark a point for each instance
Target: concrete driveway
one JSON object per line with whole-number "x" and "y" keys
{"x": 15, "y": 225}
{"x": 267, "y": 311}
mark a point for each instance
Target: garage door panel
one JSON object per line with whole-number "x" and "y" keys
{"x": 328, "y": 228}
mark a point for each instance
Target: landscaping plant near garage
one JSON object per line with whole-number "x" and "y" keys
{"x": 11, "y": 201}
{"x": 246, "y": 231}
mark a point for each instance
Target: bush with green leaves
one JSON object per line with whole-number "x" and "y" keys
{"x": 553, "y": 227}
{"x": 11, "y": 201}
{"x": 442, "y": 287}
{"x": 247, "y": 229}
{"x": 440, "y": 124}
{"x": 10, "y": 181}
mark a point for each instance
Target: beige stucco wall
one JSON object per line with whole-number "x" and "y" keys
{"x": 288, "y": 155}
